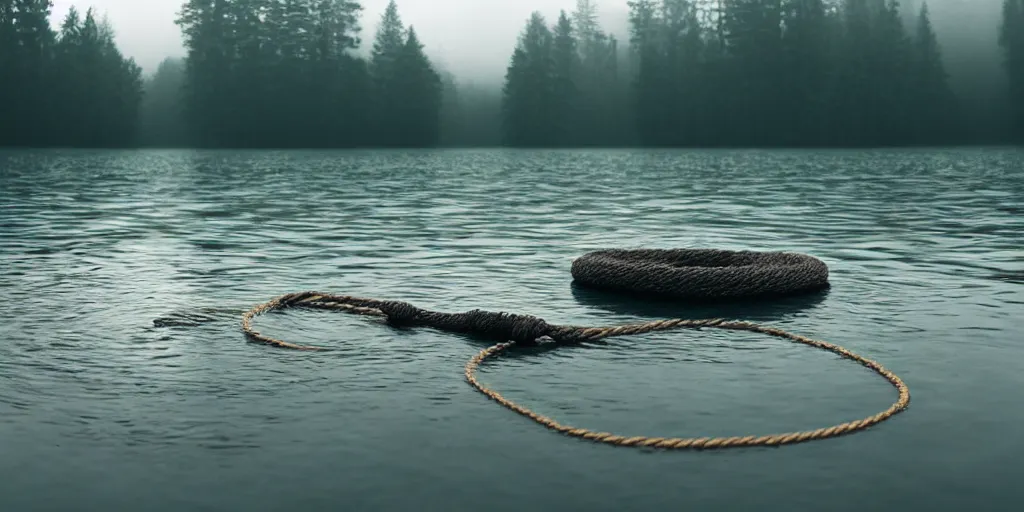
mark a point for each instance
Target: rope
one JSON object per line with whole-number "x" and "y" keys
{"x": 701, "y": 273}
{"x": 512, "y": 329}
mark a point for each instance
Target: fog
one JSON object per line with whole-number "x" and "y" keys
{"x": 471, "y": 38}
{"x": 474, "y": 38}
{"x": 852, "y": 76}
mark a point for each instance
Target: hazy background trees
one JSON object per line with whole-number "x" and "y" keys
{"x": 563, "y": 86}
{"x": 296, "y": 73}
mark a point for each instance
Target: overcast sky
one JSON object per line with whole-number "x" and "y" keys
{"x": 470, "y": 37}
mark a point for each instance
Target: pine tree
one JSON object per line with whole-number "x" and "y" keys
{"x": 248, "y": 78}
{"x": 673, "y": 82}
{"x": 564, "y": 91}
{"x": 388, "y": 47}
{"x": 407, "y": 89}
{"x": 754, "y": 71}
{"x": 25, "y": 89}
{"x": 335, "y": 27}
{"x": 935, "y": 109}
{"x": 337, "y": 83}
{"x": 650, "y": 92}
{"x": 591, "y": 41}
{"x": 599, "y": 97}
{"x": 204, "y": 26}
{"x": 121, "y": 94}
{"x": 684, "y": 91}
{"x": 91, "y": 92}
{"x": 528, "y": 93}
{"x": 891, "y": 61}
{"x": 419, "y": 98}
{"x": 807, "y": 67}
{"x": 1011, "y": 40}
{"x": 584, "y": 18}
{"x": 96, "y": 91}
{"x": 8, "y": 69}
{"x": 274, "y": 73}
{"x": 515, "y": 115}
{"x": 854, "y": 86}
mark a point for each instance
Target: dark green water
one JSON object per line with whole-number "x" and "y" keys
{"x": 99, "y": 410}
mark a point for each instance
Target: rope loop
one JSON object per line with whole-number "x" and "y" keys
{"x": 682, "y": 273}
{"x": 520, "y": 329}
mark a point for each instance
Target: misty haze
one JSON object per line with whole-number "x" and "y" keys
{"x": 684, "y": 73}
{"x": 511, "y": 255}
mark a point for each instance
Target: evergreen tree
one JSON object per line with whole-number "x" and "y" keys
{"x": 388, "y": 47}
{"x": 266, "y": 73}
{"x": 806, "y": 48}
{"x": 891, "y": 77}
{"x": 655, "y": 124}
{"x": 854, "y": 86}
{"x": 68, "y": 89}
{"x": 204, "y": 25}
{"x": 682, "y": 47}
{"x": 672, "y": 81}
{"x": 419, "y": 97}
{"x": 754, "y": 73}
{"x": 584, "y": 18}
{"x": 600, "y": 98}
{"x": 407, "y": 89}
{"x": 529, "y": 92}
{"x": 564, "y": 92}
{"x": 26, "y": 88}
{"x": 389, "y": 42}
{"x": 936, "y": 113}
{"x": 1011, "y": 39}
{"x": 339, "y": 83}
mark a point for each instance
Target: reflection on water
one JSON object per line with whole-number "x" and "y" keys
{"x": 924, "y": 249}
{"x": 751, "y": 310}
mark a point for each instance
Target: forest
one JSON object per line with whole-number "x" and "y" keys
{"x": 690, "y": 73}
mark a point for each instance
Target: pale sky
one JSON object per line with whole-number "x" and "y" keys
{"x": 468, "y": 37}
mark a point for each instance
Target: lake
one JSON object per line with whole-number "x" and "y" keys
{"x": 100, "y": 409}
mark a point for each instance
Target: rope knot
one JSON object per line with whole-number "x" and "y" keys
{"x": 400, "y": 313}
{"x": 506, "y": 326}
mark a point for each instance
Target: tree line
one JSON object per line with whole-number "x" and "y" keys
{"x": 286, "y": 73}
{"x": 64, "y": 87}
{"x": 744, "y": 73}
{"x": 262, "y": 73}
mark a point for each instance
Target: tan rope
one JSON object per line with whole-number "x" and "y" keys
{"x": 373, "y": 307}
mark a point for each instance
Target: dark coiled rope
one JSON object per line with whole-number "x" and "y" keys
{"x": 691, "y": 273}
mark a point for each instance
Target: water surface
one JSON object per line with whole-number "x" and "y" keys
{"x": 99, "y": 409}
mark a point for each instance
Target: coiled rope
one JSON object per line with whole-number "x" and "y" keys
{"x": 682, "y": 271}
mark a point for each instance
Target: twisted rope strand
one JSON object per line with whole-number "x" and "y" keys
{"x": 524, "y": 328}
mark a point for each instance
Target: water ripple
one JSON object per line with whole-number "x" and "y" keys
{"x": 924, "y": 246}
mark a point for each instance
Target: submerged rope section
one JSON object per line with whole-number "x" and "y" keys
{"x": 683, "y": 272}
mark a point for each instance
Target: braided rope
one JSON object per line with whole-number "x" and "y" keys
{"x": 526, "y": 329}
{"x": 701, "y": 273}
